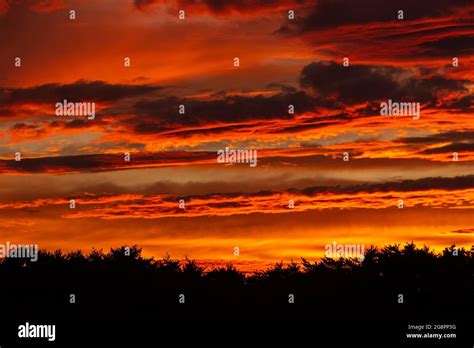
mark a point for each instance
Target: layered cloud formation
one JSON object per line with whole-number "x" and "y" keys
{"x": 334, "y": 63}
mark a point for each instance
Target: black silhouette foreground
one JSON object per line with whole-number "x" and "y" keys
{"x": 114, "y": 285}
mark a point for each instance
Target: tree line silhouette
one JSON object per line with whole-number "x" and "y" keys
{"x": 117, "y": 285}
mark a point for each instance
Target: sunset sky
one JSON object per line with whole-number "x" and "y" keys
{"x": 190, "y": 62}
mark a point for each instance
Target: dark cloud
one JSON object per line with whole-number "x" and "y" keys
{"x": 454, "y": 46}
{"x": 361, "y": 83}
{"x": 440, "y": 138}
{"x": 200, "y": 131}
{"x": 336, "y": 13}
{"x": 143, "y": 4}
{"x": 462, "y": 104}
{"x": 418, "y": 37}
{"x": 457, "y": 142}
{"x": 424, "y": 184}
{"x": 6, "y": 112}
{"x": 464, "y": 231}
{"x": 222, "y": 6}
{"x": 314, "y": 123}
{"x": 162, "y": 115}
{"x": 350, "y": 84}
{"x": 111, "y": 162}
{"x": 101, "y": 162}
{"x": 303, "y": 127}
{"x": 284, "y": 87}
{"x": 456, "y": 183}
{"x": 428, "y": 33}
{"x": 41, "y": 6}
{"x": 231, "y": 108}
{"x": 97, "y": 91}
{"x": 77, "y": 123}
{"x": 455, "y": 147}
{"x": 26, "y": 131}
{"x": 24, "y": 126}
